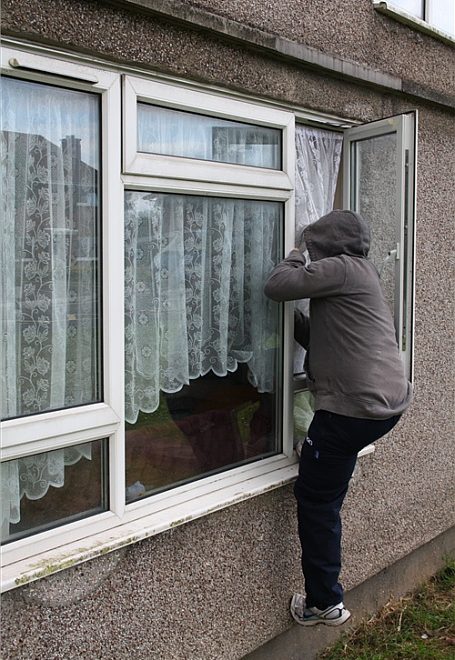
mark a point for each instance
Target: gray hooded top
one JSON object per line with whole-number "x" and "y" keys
{"x": 353, "y": 363}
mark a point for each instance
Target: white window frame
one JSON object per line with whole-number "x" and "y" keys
{"x": 137, "y": 89}
{"x": 423, "y": 25}
{"x": 47, "y": 431}
{"x": 39, "y": 555}
{"x": 32, "y": 557}
{"x": 405, "y": 128}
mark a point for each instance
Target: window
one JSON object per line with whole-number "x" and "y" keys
{"x": 59, "y": 406}
{"x": 318, "y": 157}
{"x": 203, "y": 346}
{"x": 379, "y": 182}
{"x": 53, "y": 488}
{"x": 161, "y": 259}
{"x": 178, "y": 133}
{"x": 51, "y": 264}
{"x": 52, "y": 323}
{"x": 437, "y": 16}
{"x": 146, "y": 380}
{"x": 175, "y": 133}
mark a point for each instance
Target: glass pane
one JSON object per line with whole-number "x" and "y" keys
{"x": 203, "y": 343}
{"x": 176, "y": 133}
{"x": 50, "y": 248}
{"x": 441, "y": 14}
{"x": 53, "y": 488}
{"x": 375, "y": 196}
{"x": 413, "y": 7}
{"x": 317, "y": 160}
{"x": 303, "y": 413}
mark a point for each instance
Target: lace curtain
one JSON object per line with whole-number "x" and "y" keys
{"x": 318, "y": 154}
{"x": 195, "y": 269}
{"x": 49, "y": 271}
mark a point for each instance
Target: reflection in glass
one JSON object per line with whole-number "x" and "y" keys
{"x": 50, "y": 243}
{"x": 53, "y": 488}
{"x": 202, "y": 342}
{"x": 176, "y": 133}
{"x": 441, "y": 15}
{"x": 376, "y": 198}
{"x": 413, "y": 7}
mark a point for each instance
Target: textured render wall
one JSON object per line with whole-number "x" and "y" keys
{"x": 91, "y": 26}
{"x": 219, "y": 587}
{"x": 353, "y": 30}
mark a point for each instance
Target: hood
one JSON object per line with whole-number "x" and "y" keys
{"x": 338, "y": 232}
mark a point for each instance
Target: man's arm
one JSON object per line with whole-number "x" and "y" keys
{"x": 292, "y": 279}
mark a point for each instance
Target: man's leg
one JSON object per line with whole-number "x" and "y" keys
{"x": 327, "y": 462}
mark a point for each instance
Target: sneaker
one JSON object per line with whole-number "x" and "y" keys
{"x": 334, "y": 615}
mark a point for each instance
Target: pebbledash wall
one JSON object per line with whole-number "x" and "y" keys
{"x": 219, "y": 587}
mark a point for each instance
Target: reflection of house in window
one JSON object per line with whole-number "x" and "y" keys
{"x": 246, "y": 145}
{"x": 56, "y": 174}
{"x": 53, "y": 214}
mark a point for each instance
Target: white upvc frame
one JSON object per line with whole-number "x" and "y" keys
{"x": 52, "y": 430}
{"x": 23, "y": 560}
{"x": 41, "y": 554}
{"x": 137, "y": 89}
{"x": 405, "y": 128}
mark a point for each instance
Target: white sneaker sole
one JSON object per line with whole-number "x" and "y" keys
{"x": 314, "y": 622}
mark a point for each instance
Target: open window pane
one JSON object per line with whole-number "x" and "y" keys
{"x": 374, "y": 194}
{"x": 203, "y": 343}
{"x": 379, "y": 183}
{"x": 53, "y": 488}
{"x": 175, "y": 133}
{"x": 50, "y": 248}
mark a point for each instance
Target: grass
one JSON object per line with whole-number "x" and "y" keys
{"x": 420, "y": 626}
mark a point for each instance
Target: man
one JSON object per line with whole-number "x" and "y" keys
{"x": 356, "y": 375}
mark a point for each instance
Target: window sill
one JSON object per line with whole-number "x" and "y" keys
{"x": 256, "y": 481}
{"x": 209, "y": 496}
{"x": 402, "y": 16}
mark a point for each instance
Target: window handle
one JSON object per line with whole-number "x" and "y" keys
{"x": 392, "y": 255}
{"x": 15, "y": 64}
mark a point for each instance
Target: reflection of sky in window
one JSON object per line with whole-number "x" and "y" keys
{"x": 53, "y": 112}
{"x": 179, "y": 133}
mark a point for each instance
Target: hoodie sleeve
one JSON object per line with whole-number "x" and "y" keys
{"x": 292, "y": 279}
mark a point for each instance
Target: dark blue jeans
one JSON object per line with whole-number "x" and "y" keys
{"x": 327, "y": 462}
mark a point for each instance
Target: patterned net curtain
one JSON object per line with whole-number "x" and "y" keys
{"x": 195, "y": 269}
{"x": 49, "y": 276}
{"x": 318, "y": 154}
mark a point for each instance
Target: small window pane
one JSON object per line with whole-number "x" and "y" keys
{"x": 202, "y": 343}
{"x": 176, "y": 133}
{"x": 375, "y": 196}
{"x": 50, "y": 264}
{"x": 413, "y": 7}
{"x": 441, "y": 14}
{"x": 53, "y": 488}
